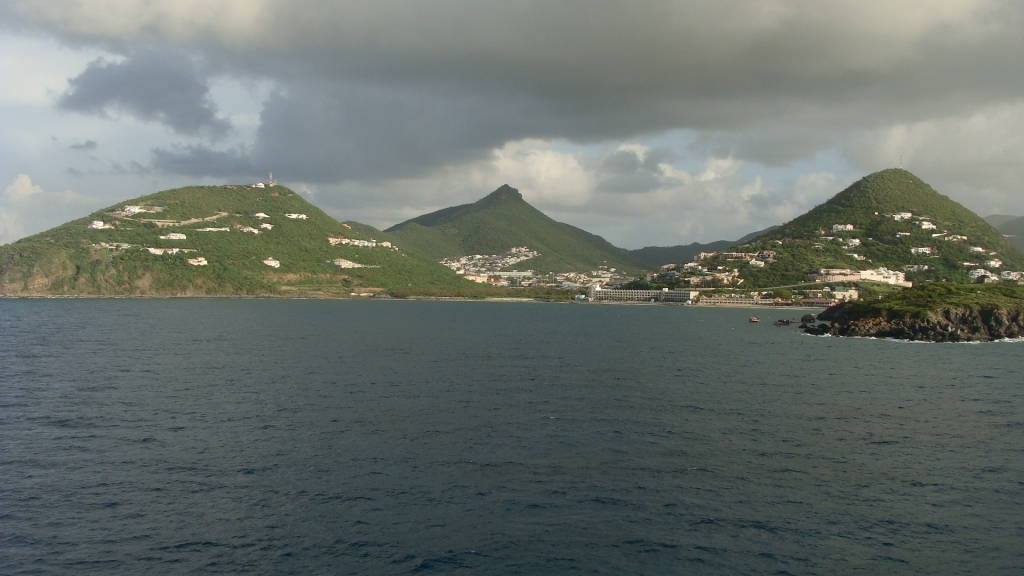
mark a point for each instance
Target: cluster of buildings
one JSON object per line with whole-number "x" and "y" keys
{"x": 371, "y": 243}
{"x": 883, "y": 275}
{"x": 477, "y": 265}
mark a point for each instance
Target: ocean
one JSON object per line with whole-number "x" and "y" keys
{"x": 392, "y": 437}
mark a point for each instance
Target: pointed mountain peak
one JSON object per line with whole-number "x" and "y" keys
{"x": 504, "y": 192}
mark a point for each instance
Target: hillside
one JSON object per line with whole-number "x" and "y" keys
{"x": 997, "y": 220}
{"x": 659, "y": 255}
{"x": 1013, "y": 231}
{"x": 76, "y": 259}
{"x": 503, "y": 220}
{"x": 891, "y": 212}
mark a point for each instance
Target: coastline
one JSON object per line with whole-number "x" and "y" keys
{"x": 389, "y": 299}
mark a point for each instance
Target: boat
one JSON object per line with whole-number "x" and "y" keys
{"x": 782, "y": 322}
{"x": 755, "y": 319}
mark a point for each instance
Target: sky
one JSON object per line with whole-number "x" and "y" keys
{"x": 647, "y": 122}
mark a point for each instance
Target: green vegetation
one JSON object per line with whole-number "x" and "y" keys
{"x": 808, "y": 243}
{"x": 660, "y": 255}
{"x": 501, "y": 221}
{"x": 920, "y": 301}
{"x": 71, "y": 260}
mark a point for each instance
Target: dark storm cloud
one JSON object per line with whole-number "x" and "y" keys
{"x": 391, "y": 89}
{"x": 630, "y": 171}
{"x": 200, "y": 161}
{"x": 771, "y": 147}
{"x": 154, "y": 86}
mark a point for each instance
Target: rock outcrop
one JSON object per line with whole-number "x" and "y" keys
{"x": 943, "y": 325}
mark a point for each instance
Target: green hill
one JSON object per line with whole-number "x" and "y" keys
{"x": 881, "y": 237}
{"x": 997, "y": 220}
{"x": 659, "y": 255}
{"x": 75, "y": 259}
{"x": 503, "y": 220}
{"x": 1013, "y": 231}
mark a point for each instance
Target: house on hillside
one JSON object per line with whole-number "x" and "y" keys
{"x": 994, "y": 263}
{"x": 260, "y": 215}
{"x": 885, "y": 275}
{"x": 842, "y": 227}
{"x": 923, "y": 251}
{"x": 901, "y": 216}
{"x": 258, "y": 185}
{"x": 198, "y": 261}
{"x": 272, "y": 263}
{"x": 926, "y": 225}
{"x": 296, "y": 216}
{"x": 173, "y": 236}
{"x": 266, "y": 226}
{"x": 99, "y": 225}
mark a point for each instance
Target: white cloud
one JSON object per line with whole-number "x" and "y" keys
{"x": 25, "y": 205}
{"x": 22, "y": 189}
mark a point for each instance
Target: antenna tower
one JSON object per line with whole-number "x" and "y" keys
{"x": 272, "y": 183}
{"x": 901, "y": 165}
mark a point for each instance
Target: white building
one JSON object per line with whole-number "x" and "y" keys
{"x": 845, "y": 294}
{"x": 977, "y": 249}
{"x": 926, "y": 225}
{"x": 342, "y": 263}
{"x": 842, "y": 227}
{"x": 921, "y": 251}
{"x": 260, "y": 215}
{"x": 99, "y": 225}
{"x": 955, "y": 238}
{"x": 162, "y": 251}
{"x": 133, "y": 209}
{"x": 248, "y": 229}
{"x": 296, "y": 216}
{"x": 198, "y": 261}
{"x": 901, "y": 216}
{"x": 258, "y": 185}
{"x": 386, "y": 244}
{"x": 173, "y": 236}
{"x": 213, "y": 229}
{"x": 994, "y": 263}
{"x": 851, "y": 242}
{"x": 885, "y": 275}
{"x": 266, "y": 226}
{"x": 981, "y": 272}
{"x": 901, "y": 234}
{"x": 272, "y": 263}
{"x": 757, "y": 263}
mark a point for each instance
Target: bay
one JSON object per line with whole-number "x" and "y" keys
{"x": 354, "y": 437}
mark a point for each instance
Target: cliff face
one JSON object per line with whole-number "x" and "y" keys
{"x": 942, "y": 325}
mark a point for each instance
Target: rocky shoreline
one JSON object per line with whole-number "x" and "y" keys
{"x": 942, "y": 325}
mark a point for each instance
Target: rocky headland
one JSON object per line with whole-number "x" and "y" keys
{"x": 971, "y": 313}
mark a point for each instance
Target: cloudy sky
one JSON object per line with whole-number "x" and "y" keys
{"x": 648, "y": 122}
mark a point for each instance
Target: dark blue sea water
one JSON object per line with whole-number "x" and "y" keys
{"x": 342, "y": 437}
